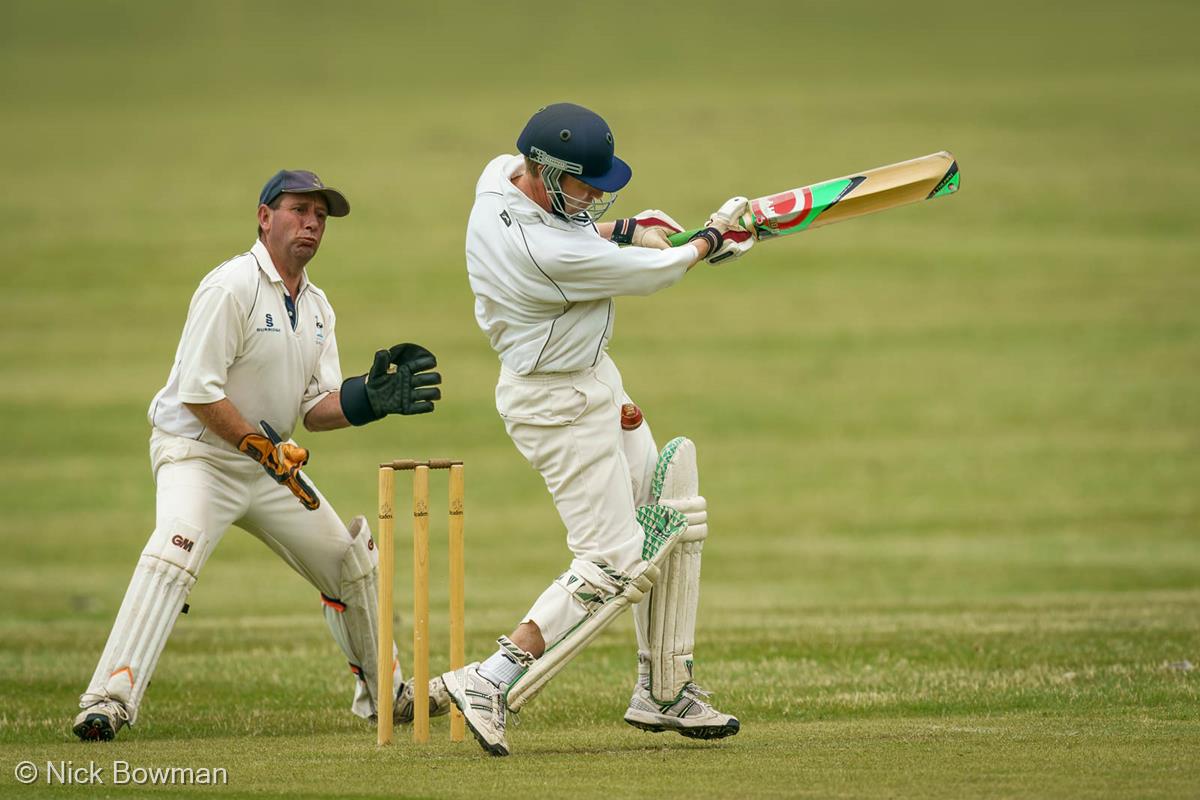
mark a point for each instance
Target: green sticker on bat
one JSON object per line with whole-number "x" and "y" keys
{"x": 948, "y": 184}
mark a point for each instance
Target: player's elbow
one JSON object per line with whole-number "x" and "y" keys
{"x": 656, "y": 281}
{"x": 201, "y": 411}
{"x": 312, "y": 422}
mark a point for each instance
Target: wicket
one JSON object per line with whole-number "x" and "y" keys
{"x": 387, "y": 568}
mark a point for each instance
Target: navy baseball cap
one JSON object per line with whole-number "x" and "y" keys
{"x": 577, "y": 141}
{"x": 299, "y": 181}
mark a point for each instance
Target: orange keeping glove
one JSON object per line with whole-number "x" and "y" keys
{"x": 282, "y": 461}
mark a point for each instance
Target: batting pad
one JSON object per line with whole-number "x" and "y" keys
{"x": 673, "y": 603}
{"x": 353, "y": 618}
{"x": 165, "y": 574}
{"x": 667, "y": 621}
{"x": 662, "y": 525}
{"x": 676, "y": 475}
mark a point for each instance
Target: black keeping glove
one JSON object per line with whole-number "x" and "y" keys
{"x": 398, "y": 382}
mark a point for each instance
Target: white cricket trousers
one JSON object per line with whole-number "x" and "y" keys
{"x": 201, "y": 491}
{"x": 568, "y": 427}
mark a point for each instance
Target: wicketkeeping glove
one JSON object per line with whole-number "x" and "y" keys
{"x": 398, "y": 382}
{"x": 650, "y": 228}
{"x": 282, "y": 461}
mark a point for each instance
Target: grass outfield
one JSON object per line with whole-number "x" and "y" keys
{"x": 951, "y": 452}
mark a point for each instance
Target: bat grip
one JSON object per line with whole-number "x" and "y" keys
{"x": 682, "y": 237}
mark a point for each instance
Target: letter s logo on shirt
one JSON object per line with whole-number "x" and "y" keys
{"x": 269, "y": 327}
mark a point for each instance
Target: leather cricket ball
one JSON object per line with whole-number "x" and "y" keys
{"x": 631, "y": 417}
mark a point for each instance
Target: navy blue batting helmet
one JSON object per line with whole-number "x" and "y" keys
{"x": 577, "y": 141}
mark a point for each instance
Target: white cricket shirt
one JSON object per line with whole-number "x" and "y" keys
{"x": 544, "y": 286}
{"x": 238, "y": 343}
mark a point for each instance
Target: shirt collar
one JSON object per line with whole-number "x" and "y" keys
{"x": 263, "y": 257}
{"x": 521, "y": 205}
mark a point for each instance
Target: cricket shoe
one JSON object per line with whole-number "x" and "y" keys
{"x": 100, "y": 719}
{"x": 691, "y": 715}
{"x": 482, "y": 704}
{"x": 439, "y": 701}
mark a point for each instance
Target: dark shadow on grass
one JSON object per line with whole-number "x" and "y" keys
{"x": 659, "y": 745}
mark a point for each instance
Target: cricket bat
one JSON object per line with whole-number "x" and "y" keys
{"x": 852, "y": 196}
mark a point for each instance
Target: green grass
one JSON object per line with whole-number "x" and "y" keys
{"x": 951, "y": 452}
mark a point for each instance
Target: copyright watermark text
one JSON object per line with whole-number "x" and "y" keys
{"x": 116, "y": 773}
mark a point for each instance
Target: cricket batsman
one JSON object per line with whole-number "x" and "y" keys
{"x": 544, "y": 272}
{"x": 258, "y": 357}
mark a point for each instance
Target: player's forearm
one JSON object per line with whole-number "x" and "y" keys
{"x": 223, "y": 419}
{"x": 327, "y": 415}
{"x": 644, "y": 271}
{"x": 701, "y": 247}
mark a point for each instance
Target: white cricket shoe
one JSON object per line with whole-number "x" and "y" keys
{"x": 439, "y": 701}
{"x": 482, "y": 704}
{"x": 100, "y": 719}
{"x": 691, "y": 715}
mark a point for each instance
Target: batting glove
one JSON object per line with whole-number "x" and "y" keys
{"x": 734, "y": 222}
{"x": 650, "y": 228}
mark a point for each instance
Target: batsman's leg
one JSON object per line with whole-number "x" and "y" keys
{"x": 641, "y": 453}
{"x": 581, "y": 603}
{"x": 665, "y": 697}
{"x": 600, "y": 594}
{"x": 569, "y": 429}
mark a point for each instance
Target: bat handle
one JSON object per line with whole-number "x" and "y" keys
{"x": 677, "y": 239}
{"x": 270, "y": 432}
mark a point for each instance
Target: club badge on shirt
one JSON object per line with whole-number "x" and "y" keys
{"x": 268, "y": 326}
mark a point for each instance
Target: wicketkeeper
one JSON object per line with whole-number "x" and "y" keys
{"x": 258, "y": 355}
{"x": 544, "y": 274}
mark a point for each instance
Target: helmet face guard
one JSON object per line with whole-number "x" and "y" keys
{"x": 566, "y": 139}
{"x": 579, "y": 210}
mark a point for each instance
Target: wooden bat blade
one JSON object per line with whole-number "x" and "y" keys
{"x": 851, "y": 196}
{"x": 856, "y": 195}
